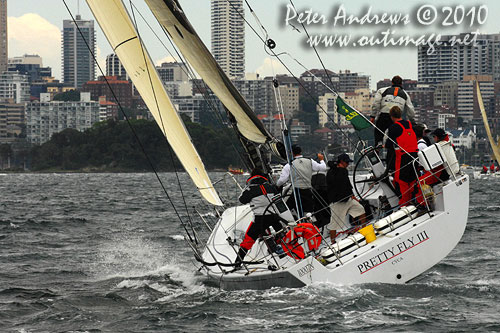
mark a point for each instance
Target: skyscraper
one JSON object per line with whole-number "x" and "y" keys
{"x": 452, "y": 60}
{"x": 228, "y": 36}
{"x": 115, "y": 68}
{"x": 4, "y": 54}
{"x": 78, "y": 64}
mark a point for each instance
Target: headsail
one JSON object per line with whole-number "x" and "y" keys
{"x": 116, "y": 24}
{"x": 495, "y": 148}
{"x": 170, "y": 15}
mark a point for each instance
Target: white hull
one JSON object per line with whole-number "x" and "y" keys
{"x": 397, "y": 257}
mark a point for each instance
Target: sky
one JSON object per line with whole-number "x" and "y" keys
{"x": 34, "y": 27}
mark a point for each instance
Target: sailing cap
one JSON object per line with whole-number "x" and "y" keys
{"x": 344, "y": 157}
{"x": 426, "y": 129}
{"x": 439, "y": 132}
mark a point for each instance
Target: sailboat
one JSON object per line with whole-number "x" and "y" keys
{"x": 398, "y": 245}
{"x": 494, "y": 146}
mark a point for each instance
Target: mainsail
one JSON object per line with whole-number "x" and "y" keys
{"x": 494, "y": 146}
{"x": 116, "y": 24}
{"x": 170, "y": 15}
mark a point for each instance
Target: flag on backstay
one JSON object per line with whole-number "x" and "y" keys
{"x": 358, "y": 121}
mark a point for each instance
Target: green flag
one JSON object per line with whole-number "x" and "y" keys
{"x": 358, "y": 121}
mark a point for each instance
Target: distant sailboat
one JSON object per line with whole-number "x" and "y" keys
{"x": 398, "y": 245}
{"x": 494, "y": 146}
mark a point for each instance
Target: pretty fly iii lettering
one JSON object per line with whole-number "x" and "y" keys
{"x": 393, "y": 252}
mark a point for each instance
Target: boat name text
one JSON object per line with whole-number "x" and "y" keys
{"x": 306, "y": 269}
{"x": 393, "y": 252}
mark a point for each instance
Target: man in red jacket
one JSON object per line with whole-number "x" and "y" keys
{"x": 402, "y": 149}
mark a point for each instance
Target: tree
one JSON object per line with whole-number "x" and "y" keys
{"x": 308, "y": 113}
{"x": 68, "y": 96}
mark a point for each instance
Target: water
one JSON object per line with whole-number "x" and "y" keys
{"x": 105, "y": 253}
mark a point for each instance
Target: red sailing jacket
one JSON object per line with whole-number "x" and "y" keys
{"x": 406, "y": 150}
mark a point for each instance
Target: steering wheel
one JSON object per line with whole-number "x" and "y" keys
{"x": 355, "y": 176}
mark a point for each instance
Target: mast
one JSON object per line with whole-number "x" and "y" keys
{"x": 494, "y": 147}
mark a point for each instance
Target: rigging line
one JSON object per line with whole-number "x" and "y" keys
{"x": 316, "y": 51}
{"x": 257, "y": 19}
{"x": 323, "y": 65}
{"x": 161, "y": 121}
{"x": 210, "y": 99}
{"x": 126, "y": 117}
{"x": 307, "y": 91}
{"x": 296, "y": 79}
{"x": 330, "y": 79}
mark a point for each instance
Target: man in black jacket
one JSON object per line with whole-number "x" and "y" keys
{"x": 258, "y": 193}
{"x": 341, "y": 197}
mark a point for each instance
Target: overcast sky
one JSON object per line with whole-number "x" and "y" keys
{"x": 35, "y": 25}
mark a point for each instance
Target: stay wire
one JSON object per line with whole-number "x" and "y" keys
{"x": 128, "y": 120}
{"x": 209, "y": 98}
{"x": 312, "y": 97}
{"x": 161, "y": 120}
{"x": 296, "y": 79}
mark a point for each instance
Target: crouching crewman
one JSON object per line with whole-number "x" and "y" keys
{"x": 259, "y": 193}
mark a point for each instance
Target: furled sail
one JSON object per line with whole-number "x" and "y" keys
{"x": 493, "y": 144}
{"x": 116, "y": 24}
{"x": 170, "y": 15}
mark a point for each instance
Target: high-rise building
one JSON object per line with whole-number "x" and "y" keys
{"x": 78, "y": 64}
{"x": 452, "y": 60}
{"x": 172, "y": 72}
{"x": 114, "y": 67}
{"x": 467, "y": 101}
{"x": 30, "y": 65}
{"x": 350, "y": 81}
{"x": 14, "y": 86}
{"x": 11, "y": 121}
{"x": 446, "y": 94}
{"x": 228, "y": 36}
{"x": 4, "y": 50}
{"x": 46, "y": 117}
{"x": 317, "y": 82}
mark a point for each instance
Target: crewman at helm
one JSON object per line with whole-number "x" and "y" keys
{"x": 402, "y": 149}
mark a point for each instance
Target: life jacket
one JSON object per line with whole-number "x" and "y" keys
{"x": 301, "y": 172}
{"x": 406, "y": 145}
{"x": 310, "y": 235}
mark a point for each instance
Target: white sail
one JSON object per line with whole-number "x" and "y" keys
{"x": 116, "y": 24}
{"x": 494, "y": 146}
{"x": 170, "y": 15}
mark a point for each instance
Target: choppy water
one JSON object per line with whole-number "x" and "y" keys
{"x": 104, "y": 253}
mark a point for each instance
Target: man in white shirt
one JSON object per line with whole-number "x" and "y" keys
{"x": 419, "y": 132}
{"x": 301, "y": 173}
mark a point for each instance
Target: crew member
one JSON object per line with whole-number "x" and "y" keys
{"x": 385, "y": 99}
{"x": 441, "y": 172}
{"x": 301, "y": 173}
{"x": 341, "y": 198}
{"x": 419, "y": 132}
{"x": 401, "y": 151}
{"x": 258, "y": 192}
{"x": 492, "y": 167}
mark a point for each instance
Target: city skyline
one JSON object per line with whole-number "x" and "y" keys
{"x": 28, "y": 22}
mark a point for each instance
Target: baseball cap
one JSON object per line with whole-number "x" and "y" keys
{"x": 344, "y": 157}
